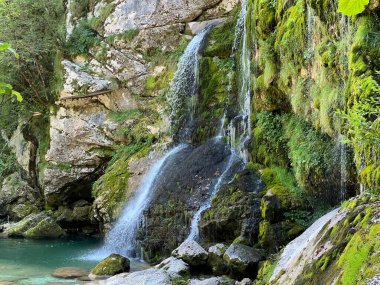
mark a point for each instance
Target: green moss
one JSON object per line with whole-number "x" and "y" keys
{"x": 112, "y": 265}
{"x": 220, "y": 41}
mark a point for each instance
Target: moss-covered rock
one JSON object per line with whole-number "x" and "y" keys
{"x": 36, "y": 226}
{"x": 344, "y": 251}
{"x": 234, "y": 211}
{"x": 112, "y": 265}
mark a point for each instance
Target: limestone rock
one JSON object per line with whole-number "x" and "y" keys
{"x": 212, "y": 281}
{"x": 192, "y": 253}
{"x": 215, "y": 259}
{"x": 112, "y": 265}
{"x": 17, "y": 198}
{"x": 79, "y": 81}
{"x": 36, "y": 226}
{"x": 142, "y": 14}
{"x": 196, "y": 27}
{"x": 174, "y": 267}
{"x": 144, "y": 277}
{"x": 242, "y": 259}
{"x": 70, "y": 272}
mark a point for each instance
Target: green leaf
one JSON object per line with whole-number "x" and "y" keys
{"x": 18, "y": 95}
{"x": 352, "y": 7}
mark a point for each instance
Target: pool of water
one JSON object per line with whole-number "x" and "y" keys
{"x": 31, "y": 262}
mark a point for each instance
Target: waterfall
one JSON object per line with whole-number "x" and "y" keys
{"x": 224, "y": 178}
{"x": 121, "y": 238}
{"x": 343, "y": 167}
{"x": 183, "y": 99}
{"x": 183, "y": 95}
{"x": 239, "y": 128}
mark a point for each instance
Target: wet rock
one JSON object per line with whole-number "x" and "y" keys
{"x": 212, "y": 281}
{"x": 234, "y": 211}
{"x": 185, "y": 183}
{"x": 269, "y": 207}
{"x": 70, "y": 272}
{"x": 36, "y": 226}
{"x": 174, "y": 267}
{"x": 192, "y": 253}
{"x": 215, "y": 259}
{"x": 242, "y": 260}
{"x": 112, "y": 265}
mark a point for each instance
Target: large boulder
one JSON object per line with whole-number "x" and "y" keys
{"x": 17, "y": 198}
{"x": 242, "y": 260}
{"x": 36, "y": 226}
{"x": 112, "y": 265}
{"x": 192, "y": 253}
{"x": 174, "y": 267}
{"x": 215, "y": 259}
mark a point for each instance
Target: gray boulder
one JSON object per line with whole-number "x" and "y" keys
{"x": 192, "y": 253}
{"x": 144, "y": 277}
{"x": 174, "y": 267}
{"x": 215, "y": 259}
{"x": 242, "y": 260}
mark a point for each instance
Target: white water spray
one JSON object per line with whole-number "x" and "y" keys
{"x": 239, "y": 129}
{"x": 343, "y": 167}
{"x": 194, "y": 230}
{"x": 121, "y": 239}
{"x": 184, "y": 87}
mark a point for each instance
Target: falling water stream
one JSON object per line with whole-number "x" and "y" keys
{"x": 239, "y": 129}
{"x": 122, "y": 237}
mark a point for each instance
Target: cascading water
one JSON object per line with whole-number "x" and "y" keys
{"x": 239, "y": 128}
{"x": 184, "y": 88}
{"x": 224, "y": 178}
{"x": 343, "y": 167}
{"x": 121, "y": 238}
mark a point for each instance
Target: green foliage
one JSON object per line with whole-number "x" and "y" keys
{"x": 128, "y": 35}
{"x": 34, "y": 28}
{"x": 81, "y": 39}
{"x": 352, "y": 7}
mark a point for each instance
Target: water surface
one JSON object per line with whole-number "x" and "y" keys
{"x": 31, "y": 262}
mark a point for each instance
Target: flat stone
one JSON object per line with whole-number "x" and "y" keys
{"x": 70, "y": 272}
